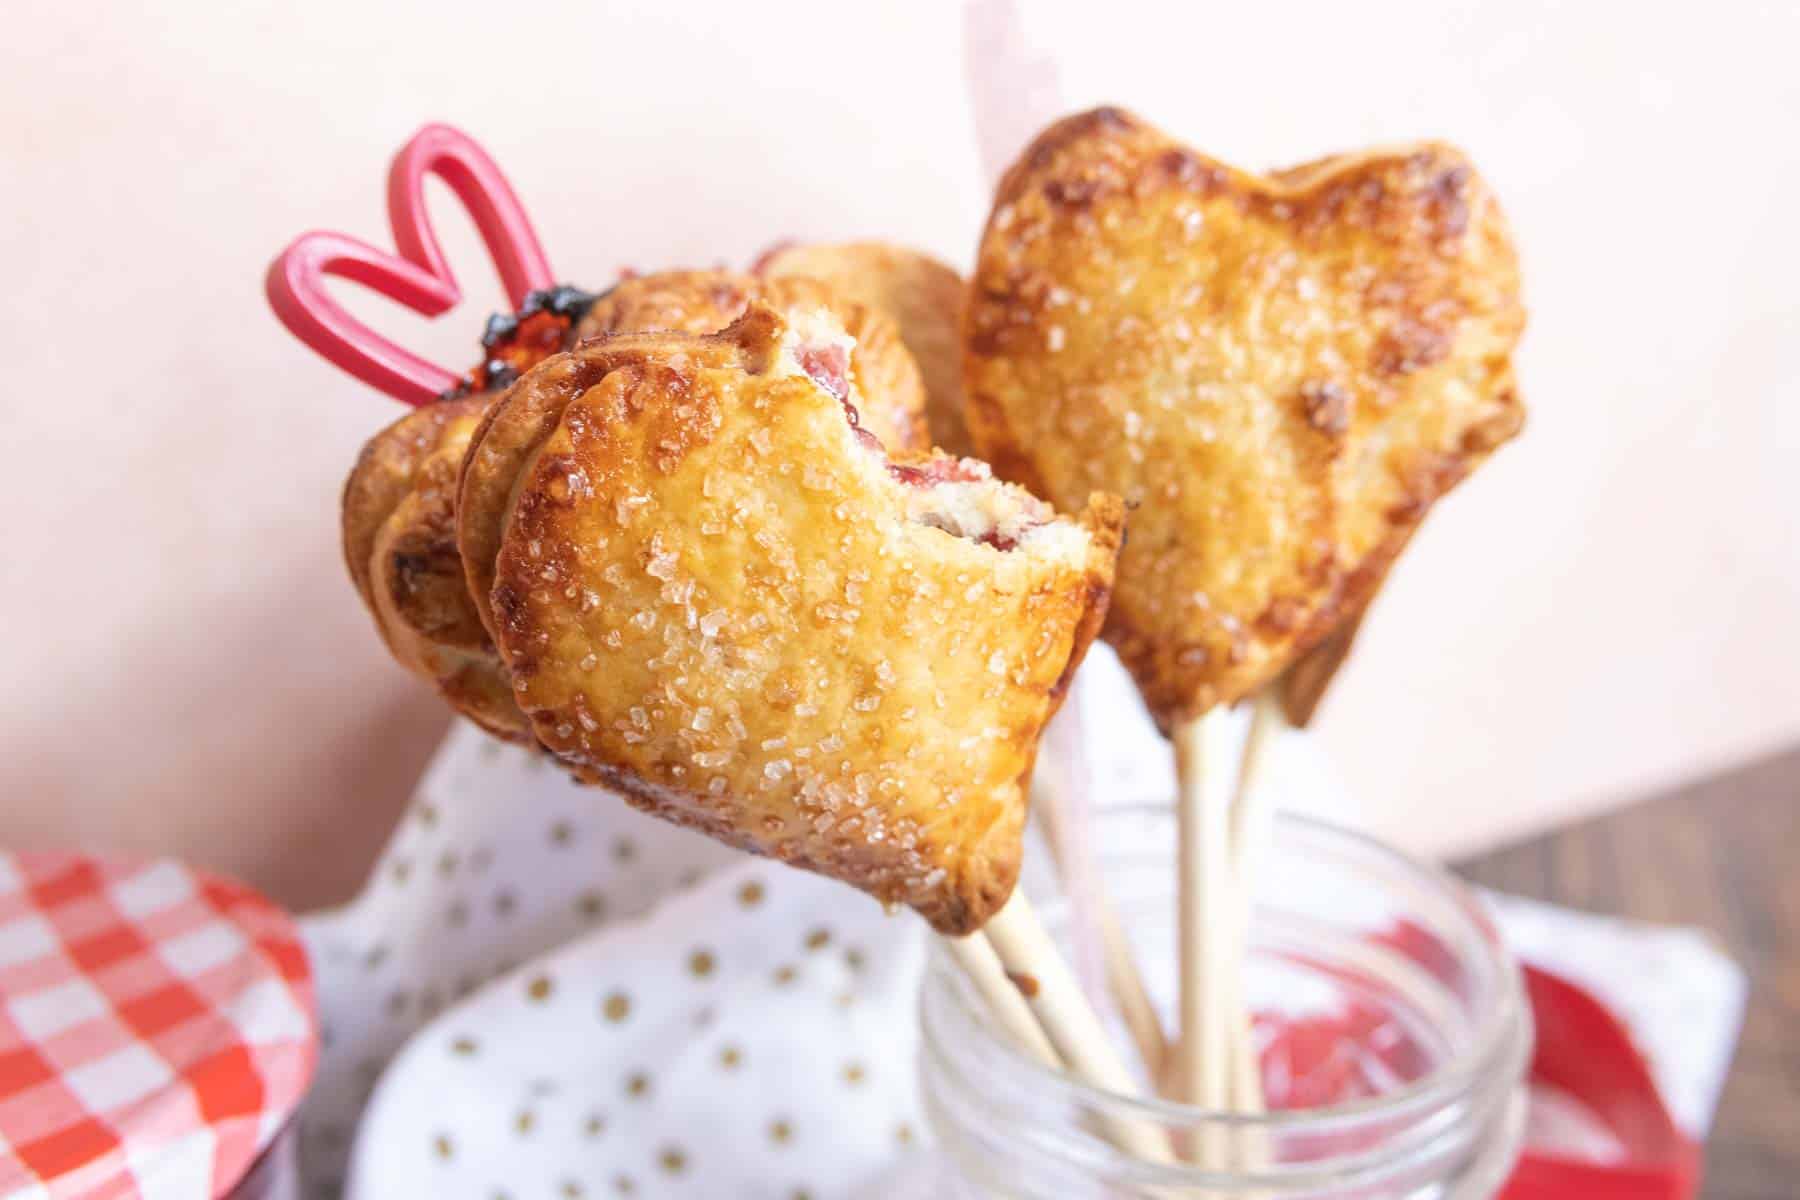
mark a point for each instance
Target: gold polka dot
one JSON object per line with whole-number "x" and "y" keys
{"x": 448, "y": 863}
{"x": 800, "y": 1194}
{"x": 562, "y": 833}
{"x": 539, "y": 989}
{"x": 594, "y": 1126}
{"x": 572, "y": 1188}
{"x": 428, "y": 815}
{"x": 464, "y": 1046}
{"x": 854, "y": 1074}
{"x": 853, "y": 958}
{"x": 617, "y": 1006}
{"x": 623, "y": 850}
{"x": 591, "y": 905}
{"x": 730, "y": 1058}
{"x": 780, "y": 1132}
{"x": 846, "y": 999}
{"x": 904, "y": 1134}
{"x": 637, "y": 1085}
{"x": 402, "y": 868}
{"x": 505, "y": 903}
{"x": 751, "y": 894}
{"x": 689, "y": 878}
{"x": 458, "y": 915}
{"x": 785, "y": 975}
{"x": 701, "y": 963}
{"x": 624, "y": 1185}
{"x": 443, "y": 1146}
{"x": 525, "y": 1122}
{"x": 673, "y": 1159}
{"x": 818, "y": 939}
{"x": 502, "y": 1195}
{"x": 375, "y": 957}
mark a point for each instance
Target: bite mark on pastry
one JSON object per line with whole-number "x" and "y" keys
{"x": 767, "y": 632}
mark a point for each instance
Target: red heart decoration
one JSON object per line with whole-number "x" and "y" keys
{"x": 419, "y": 277}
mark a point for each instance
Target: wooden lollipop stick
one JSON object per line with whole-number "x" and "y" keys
{"x": 975, "y": 955}
{"x": 1123, "y": 979}
{"x": 1252, "y": 830}
{"x": 1061, "y": 787}
{"x": 1202, "y": 1072}
{"x": 1048, "y": 985}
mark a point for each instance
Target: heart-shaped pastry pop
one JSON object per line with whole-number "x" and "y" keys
{"x": 720, "y": 597}
{"x": 400, "y": 499}
{"x": 707, "y": 301}
{"x": 1281, "y": 374}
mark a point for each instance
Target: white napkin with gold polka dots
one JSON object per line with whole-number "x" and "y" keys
{"x": 542, "y": 992}
{"x": 753, "y": 1036}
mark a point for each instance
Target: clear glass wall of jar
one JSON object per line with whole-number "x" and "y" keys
{"x": 1341, "y": 924}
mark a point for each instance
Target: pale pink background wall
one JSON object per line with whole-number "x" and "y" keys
{"x": 1609, "y": 606}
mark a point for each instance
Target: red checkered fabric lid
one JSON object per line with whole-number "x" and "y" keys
{"x": 157, "y": 1029}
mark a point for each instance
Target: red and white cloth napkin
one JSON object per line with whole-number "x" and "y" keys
{"x": 156, "y": 1029}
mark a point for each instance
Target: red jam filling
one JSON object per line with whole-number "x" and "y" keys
{"x": 935, "y": 471}
{"x": 951, "y": 470}
{"x": 539, "y": 336}
{"x": 829, "y": 367}
{"x": 513, "y": 343}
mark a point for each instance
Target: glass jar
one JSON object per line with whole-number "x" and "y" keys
{"x": 1388, "y": 1015}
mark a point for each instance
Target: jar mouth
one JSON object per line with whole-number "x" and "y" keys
{"x": 1499, "y": 1043}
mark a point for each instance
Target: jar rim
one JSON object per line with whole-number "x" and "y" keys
{"x": 1495, "y": 1040}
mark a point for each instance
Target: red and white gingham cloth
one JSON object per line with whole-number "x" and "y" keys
{"x": 157, "y": 1029}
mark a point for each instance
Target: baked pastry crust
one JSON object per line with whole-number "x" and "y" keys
{"x": 922, "y": 295}
{"x": 399, "y": 533}
{"x": 399, "y": 503}
{"x": 1280, "y": 374}
{"x": 708, "y": 301}
{"x": 720, "y": 599}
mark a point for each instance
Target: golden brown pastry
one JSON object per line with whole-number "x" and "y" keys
{"x": 400, "y": 543}
{"x": 399, "y": 504}
{"x": 720, "y": 597}
{"x": 1280, "y": 374}
{"x": 399, "y": 522}
{"x": 708, "y": 301}
{"x": 922, "y": 295}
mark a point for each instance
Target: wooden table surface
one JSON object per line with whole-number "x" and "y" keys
{"x": 1715, "y": 854}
